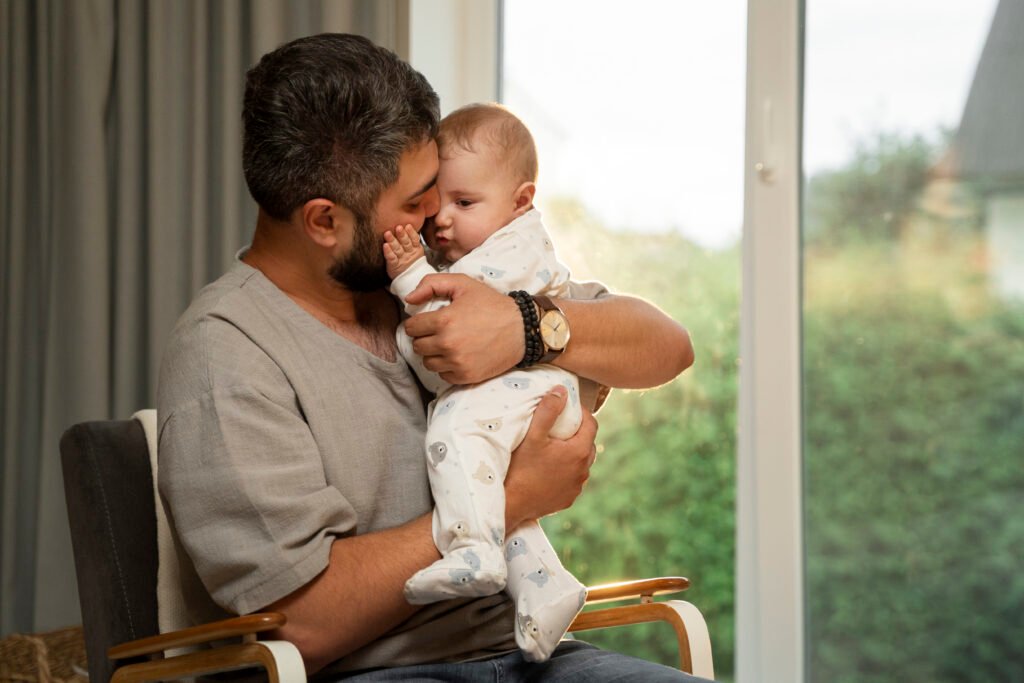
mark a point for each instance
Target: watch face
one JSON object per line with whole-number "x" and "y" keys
{"x": 554, "y": 330}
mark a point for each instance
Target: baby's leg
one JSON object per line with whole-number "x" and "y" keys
{"x": 470, "y": 439}
{"x": 569, "y": 420}
{"x": 546, "y": 595}
{"x": 466, "y": 465}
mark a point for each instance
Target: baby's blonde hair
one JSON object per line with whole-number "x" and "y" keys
{"x": 502, "y": 130}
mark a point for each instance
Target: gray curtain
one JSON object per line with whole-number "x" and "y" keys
{"x": 121, "y": 194}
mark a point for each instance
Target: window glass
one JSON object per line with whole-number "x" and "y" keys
{"x": 913, "y": 347}
{"x": 637, "y": 110}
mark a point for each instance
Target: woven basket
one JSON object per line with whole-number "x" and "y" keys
{"x": 54, "y": 657}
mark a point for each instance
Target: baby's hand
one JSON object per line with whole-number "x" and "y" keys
{"x": 401, "y": 249}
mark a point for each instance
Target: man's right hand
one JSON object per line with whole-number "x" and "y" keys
{"x": 547, "y": 474}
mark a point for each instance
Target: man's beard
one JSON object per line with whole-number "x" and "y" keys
{"x": 363, "y": 268}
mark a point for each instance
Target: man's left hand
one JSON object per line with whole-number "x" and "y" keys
{"x": 477, "y": 337}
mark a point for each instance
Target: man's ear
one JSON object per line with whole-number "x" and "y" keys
{"x": 326, "y": 223}
{"x": 522, "y": 198}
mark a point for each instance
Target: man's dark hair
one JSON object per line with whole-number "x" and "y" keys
{"x": 330, "y": 116}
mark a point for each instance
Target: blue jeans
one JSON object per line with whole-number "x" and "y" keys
{"x": 573, "y": 661}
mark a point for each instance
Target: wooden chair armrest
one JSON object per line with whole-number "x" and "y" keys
{"x": 645, "y": 589}
{"x": 246, "y": 626}
{"x": 281, "y": 661}
{"x": 689, "y": 625}
{"x": 690, "y": 628}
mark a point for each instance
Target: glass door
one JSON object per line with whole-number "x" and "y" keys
{"x": 913, "y": 340}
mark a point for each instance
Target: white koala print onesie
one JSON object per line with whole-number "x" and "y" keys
{"x": 471, "y": 433}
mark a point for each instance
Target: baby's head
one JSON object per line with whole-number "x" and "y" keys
{"x": 486, "y": 179}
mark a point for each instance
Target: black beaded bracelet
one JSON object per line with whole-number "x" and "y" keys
{"x": 534, "y": 349}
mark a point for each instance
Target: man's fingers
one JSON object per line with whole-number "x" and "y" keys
{"x": 424, "y": 325}
{"x": 588, "y": 427}
{"x": 437, "y": 364}
{"x": 547, "y": 411}
{"x": 439, "y": 285}
{"x": 587, "y": 433}
{"x": 425, "y": 346}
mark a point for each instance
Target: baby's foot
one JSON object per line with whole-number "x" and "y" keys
{"x": 471, "y": 572}
{"x": 542, "y": 620}
{"x": 402, "y": 248}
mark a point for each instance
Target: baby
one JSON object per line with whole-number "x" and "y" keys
{"x": 488, "y": 229}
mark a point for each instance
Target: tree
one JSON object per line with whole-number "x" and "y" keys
{"x": 872, "y": 196}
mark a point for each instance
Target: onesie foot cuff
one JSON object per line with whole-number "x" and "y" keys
{"x": 465, "y": 573}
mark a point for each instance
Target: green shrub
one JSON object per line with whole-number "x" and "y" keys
{"x": 914, "y": 477}
{"x": 661, "y": 498}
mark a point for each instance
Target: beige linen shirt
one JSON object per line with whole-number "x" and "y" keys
{"x": 278, "y": 436}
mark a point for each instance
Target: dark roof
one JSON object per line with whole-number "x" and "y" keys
{"x": 990, "y": 140}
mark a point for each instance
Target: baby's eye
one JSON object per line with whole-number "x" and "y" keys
{"x": 463, "y": 203}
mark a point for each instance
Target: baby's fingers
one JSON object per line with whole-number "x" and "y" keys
{"x": 405, "y": 236}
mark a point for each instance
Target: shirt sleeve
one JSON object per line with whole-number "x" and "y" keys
{"x": 241, "y": 471}
{"x": 591, "y": 289}
{"x": 406, "y": 281}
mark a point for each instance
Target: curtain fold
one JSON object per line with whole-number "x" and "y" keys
{"x": 121, "y": 195}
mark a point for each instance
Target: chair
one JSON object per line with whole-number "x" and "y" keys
{"x": 108, "y": 482}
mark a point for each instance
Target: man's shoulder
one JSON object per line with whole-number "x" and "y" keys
{"x": 212, "y": 341}
{"x": 229, "y": 296}
{"x": 218, "y": 309}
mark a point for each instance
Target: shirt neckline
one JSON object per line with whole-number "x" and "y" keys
{"x": 305, "y": 319}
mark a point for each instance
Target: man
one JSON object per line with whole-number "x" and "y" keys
{"x": 291, "y": 435}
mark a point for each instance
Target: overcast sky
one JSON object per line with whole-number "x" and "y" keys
{"x": 638, "y": 111}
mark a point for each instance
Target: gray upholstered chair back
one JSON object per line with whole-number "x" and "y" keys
{"x": 109, "y": 490}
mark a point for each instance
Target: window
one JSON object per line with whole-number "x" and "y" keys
{"x": 913, "y": 346}
{"x": 638, "y": 116}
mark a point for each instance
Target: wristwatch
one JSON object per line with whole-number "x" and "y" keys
{"x": 554, "y": 328}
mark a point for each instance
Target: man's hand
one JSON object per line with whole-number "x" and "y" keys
{"x": 547, "y": 474}
{"x": 477, "y": 337}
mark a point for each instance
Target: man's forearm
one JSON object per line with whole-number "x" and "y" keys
{"x": 359, "y": 596}
{"x": 623, "y": 341}
{"x": 620, "y": 341}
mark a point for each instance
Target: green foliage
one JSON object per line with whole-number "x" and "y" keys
{"x": 661, "y": 496}
{"x": 914, "y": 442}
{"x": 913, "y": 427}
{"x": 873, "y": 196}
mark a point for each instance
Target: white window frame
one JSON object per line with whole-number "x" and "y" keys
{"x": 769, "y": 517}
{"x": 456, "y": 44}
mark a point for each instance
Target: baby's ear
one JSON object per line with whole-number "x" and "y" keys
{"x": 522, "y": 198}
